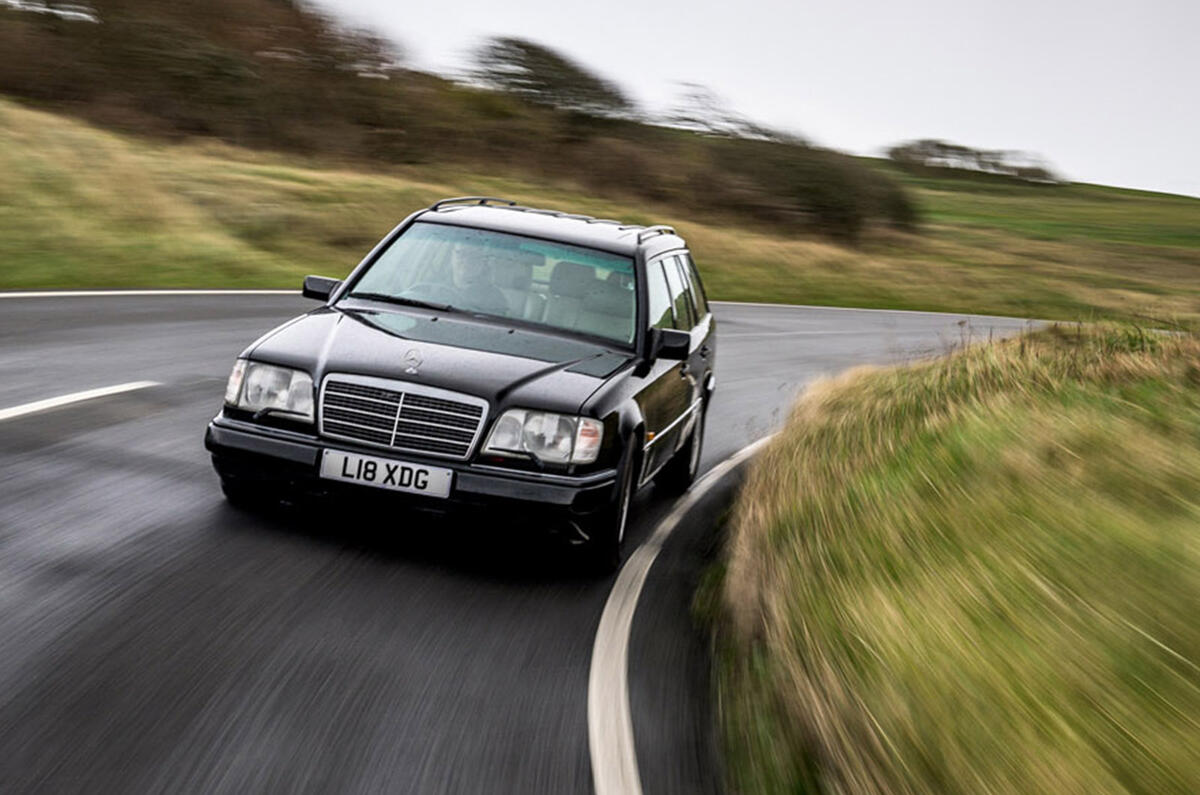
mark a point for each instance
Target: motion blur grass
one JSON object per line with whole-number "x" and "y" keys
{"x": 82, "y": 207}
{"x": 974, "y": 574}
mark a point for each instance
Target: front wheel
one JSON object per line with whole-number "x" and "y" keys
{"x": 678, "y": 474}
{"x": 606, "y": 531}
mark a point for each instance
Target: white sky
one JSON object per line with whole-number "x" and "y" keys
{"x": 1107, "y": 91}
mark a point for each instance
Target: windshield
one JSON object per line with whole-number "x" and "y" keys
{"x": 551, "y": 284}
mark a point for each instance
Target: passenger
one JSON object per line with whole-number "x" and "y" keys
{"x": 472, "y": 276}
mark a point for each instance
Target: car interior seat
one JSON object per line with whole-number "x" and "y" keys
{"x": 607, "y": 311}
{"x": 570, "y": 282}
{"x": 512, "y": 272}
{"x": 624, "y": 280}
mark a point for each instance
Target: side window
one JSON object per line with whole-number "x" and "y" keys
{"x": 659, "y": 297}
{"x": 689, "y": 268}
{"x": 681, "y": 270}
{"x": 679, "y": 296}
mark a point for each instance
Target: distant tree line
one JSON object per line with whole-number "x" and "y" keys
{"x": 276, "y": 74}
{"x": 935, "y": 154}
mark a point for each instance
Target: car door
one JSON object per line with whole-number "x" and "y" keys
{"x": 664, "y": 397}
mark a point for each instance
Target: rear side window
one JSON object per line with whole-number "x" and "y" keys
{"x": 659, "y": 297}
{"x": 689, "y": 268}
{"x": 679, "y": 295}
{"x": 681, "y": 270}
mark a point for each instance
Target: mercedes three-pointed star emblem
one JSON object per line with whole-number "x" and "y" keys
{"x": 413, "y": 359}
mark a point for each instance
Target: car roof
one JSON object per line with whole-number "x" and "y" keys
{"x": 613, "y": 236}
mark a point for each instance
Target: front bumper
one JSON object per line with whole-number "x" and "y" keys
{"x": 290, "y": 460}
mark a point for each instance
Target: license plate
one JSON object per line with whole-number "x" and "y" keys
{"x": 385, "y": 473}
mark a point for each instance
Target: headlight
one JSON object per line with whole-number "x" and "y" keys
{"x": 264, "y": 387}
{"x": 556, "y": 438}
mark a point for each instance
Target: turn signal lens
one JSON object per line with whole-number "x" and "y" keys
{"x": 587, "y": 440}
{"x": 233, "y": 389}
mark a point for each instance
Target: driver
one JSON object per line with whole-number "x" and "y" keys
{"x": 471, "y": 271}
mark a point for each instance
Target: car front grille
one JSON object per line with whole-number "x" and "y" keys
{"x": 401, "y": 415}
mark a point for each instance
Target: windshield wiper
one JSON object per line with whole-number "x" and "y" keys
{"x": 402, "y": 301}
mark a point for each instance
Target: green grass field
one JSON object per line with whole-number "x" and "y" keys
{"x": 974, "y": 574}
{"x": 81, "y": 207}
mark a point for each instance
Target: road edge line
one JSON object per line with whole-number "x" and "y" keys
{"x": 263, "y": 291}
{"x": 74, "y": 397}
{"x": 610, "y": 723}
{"x": 770, "y": 305}
{"x": 136, "y": 293}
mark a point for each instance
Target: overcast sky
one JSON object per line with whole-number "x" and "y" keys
{"x": 1107, "y": 91}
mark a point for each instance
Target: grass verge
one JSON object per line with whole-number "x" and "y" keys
{"x": 975, "y": 574}
{"x": 81, "y": 207}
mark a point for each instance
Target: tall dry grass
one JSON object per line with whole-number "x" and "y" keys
{"x": 975, "y": 574}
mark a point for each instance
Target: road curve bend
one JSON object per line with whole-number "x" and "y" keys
{"x": 156, "y": 640}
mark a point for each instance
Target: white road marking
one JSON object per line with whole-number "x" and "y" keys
{"x": 258, "y": 291}
{"x": 136, "y": 293}
{"x": 74, "y": 397}
{"x": 610, "y": 726}
{"x": 965, "y": 315}
{"x": 724, "y": 336}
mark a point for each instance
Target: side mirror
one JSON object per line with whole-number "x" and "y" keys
{"x": 669, "y": 343}
{"x": 320, "y": 287}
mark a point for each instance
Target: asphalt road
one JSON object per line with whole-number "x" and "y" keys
{"x": 156, "y": 640}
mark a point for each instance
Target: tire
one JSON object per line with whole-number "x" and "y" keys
{"x": 606, "y": 530}
{"x": 678, "y": 475}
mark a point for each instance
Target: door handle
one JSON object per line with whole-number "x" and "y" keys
{"x": 705, "y": 351}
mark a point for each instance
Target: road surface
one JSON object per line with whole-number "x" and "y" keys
{"x": 157, "y": 640}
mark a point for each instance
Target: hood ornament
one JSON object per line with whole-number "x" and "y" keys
{"x": 413, "y": 359}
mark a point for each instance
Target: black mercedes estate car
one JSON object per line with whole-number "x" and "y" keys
{"x": 484, "y": 354}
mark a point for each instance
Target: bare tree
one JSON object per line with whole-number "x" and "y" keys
{"x": 700, "y": 109}
{"x": 546, "y": 77}
{"x": 365, "y": 53}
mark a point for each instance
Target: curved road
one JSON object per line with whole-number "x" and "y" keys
{"x": 156, "y": 640}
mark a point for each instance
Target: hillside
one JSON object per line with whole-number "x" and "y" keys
{"x": 279, "y": 76}
{"x": 974, "y": 574}
{"x": 81, "y": 206}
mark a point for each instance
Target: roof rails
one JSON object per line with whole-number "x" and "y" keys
{"x": 481, "y": 200}
{"x": 508, "y": 204}
{"x": 651, "y": 231}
